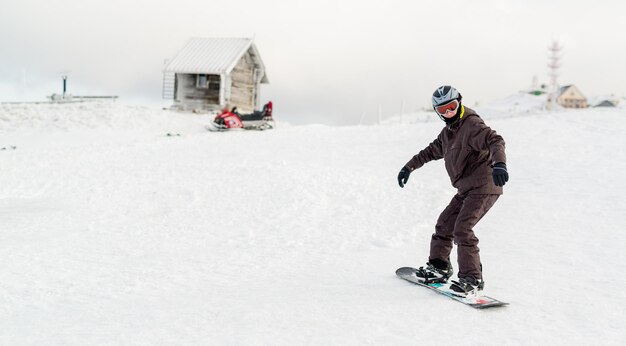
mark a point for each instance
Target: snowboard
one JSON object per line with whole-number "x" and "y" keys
{"x": 477, "y": 302}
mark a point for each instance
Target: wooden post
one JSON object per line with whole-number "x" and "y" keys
{"x": 222, "y": 100}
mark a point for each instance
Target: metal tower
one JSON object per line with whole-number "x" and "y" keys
{"x": 554, "y": 63}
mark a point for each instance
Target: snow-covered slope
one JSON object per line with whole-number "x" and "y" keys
{"x": 112, "y": 232}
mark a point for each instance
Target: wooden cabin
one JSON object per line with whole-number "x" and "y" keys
{"x": 213, "y": 73}
{"x": 570, "y": 97}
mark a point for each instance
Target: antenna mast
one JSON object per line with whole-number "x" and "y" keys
{"x": 554, "y": 63}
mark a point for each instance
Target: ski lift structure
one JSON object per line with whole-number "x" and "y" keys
{"x": 67, "y": 97}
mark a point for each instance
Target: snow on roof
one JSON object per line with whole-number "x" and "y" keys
{"x": 603, "y": 100}
{"x": 212, "y": 55}
{"x": 564, "y": 88}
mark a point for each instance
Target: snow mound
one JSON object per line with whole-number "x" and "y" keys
{"x": 517, "y": 104}
{"x": 96, "y": 115}
{"x": 411, "y": 118}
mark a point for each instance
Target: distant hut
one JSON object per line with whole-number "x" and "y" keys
{"x": 606, "y": 103}
{"x": 213, "y": 73}
{"x": 570, "y": 97}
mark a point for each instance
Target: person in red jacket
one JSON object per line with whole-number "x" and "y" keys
{"x": 476, "y": 163}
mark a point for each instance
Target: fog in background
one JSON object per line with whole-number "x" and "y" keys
{"x": 331, "y": 62}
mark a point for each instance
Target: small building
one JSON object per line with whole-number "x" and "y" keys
{"x": 213, "y": 73}
{"x": 570, "y": 97}
{"x": 606, "y": 103}
{"x": 603, "y": 101}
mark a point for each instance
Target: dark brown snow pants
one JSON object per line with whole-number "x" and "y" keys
{"x": 455, "y": 224}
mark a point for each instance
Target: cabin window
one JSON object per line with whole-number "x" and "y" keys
{"x": 202, "y": 81}
{"x": 208, "y": 81}
{"x": 214, "y": 82}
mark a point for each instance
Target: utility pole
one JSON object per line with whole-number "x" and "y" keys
{"x": 64, "y": 86}
{"x": 24, "y": 86}
{"x": 64, "y": 75}
{"x": 362, "y": 117}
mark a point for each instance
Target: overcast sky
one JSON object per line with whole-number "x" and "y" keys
{"x": 327, "y": 61}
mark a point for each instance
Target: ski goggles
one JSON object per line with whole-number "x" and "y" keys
{"x": 450, "y": 106}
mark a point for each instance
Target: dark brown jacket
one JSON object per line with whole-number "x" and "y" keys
{"x": 469, "y": 149}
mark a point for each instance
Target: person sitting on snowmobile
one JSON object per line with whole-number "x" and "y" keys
{"x": 265, "y": 114}
{"x": 475, "y": 160}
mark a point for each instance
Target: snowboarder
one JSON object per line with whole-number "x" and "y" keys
{"x": 476, "y": 163}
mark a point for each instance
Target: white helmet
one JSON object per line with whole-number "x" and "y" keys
{"x": 445, "y": 94}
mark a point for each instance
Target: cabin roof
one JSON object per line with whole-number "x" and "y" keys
{"x": 564, "y": 88}
{"x": 203, "y": 55}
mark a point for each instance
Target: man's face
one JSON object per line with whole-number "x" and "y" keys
{"x": 449, "y": 114}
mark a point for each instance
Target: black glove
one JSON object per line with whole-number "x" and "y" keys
{"x": 403, "y": 176}
{"x": 500, "y": 174}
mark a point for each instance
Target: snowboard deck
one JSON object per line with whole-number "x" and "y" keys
{"x": 477, "y": 302}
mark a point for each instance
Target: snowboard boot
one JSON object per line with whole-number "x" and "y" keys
{"x": 467, "y": 285}
{"x": 434, "y": 274}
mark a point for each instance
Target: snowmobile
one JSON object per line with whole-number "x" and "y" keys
{"x": 231, "y": 120}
